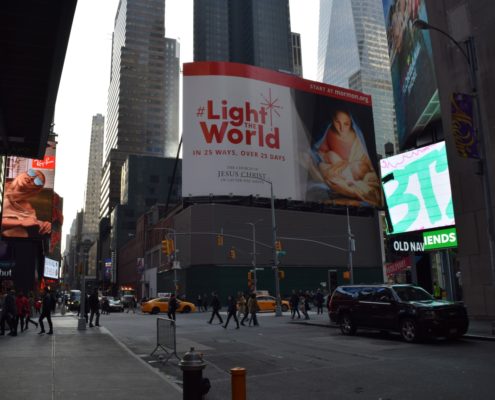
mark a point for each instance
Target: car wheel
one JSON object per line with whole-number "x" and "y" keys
{"x": 409, "y": 330}
{"x": 347, "y": 326}
{"x": 155, "y": 310}
{"x": 186, "y": 310}
{"x": 285, "y": 308}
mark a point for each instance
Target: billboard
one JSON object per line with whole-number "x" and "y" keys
{"x": 51, "y": 268}
{"x": 27, "y": 198}
{"x": 417, "y": 189}
{"x": 245, "y": 126}
{"x": 411, "y": 62}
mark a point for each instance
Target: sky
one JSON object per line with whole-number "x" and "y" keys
{"x": 86, "y": 75}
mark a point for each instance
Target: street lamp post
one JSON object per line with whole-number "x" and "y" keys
{"x": 470, "y": 58}
{"x": 255, "y": 279}
{"x": 278, "y": 307}
{"x": 81, "y": 322}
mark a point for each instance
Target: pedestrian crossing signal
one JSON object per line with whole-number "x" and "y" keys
{"x": 278, "y": 245}
{"x": 281, "y": 274}
{"x": 232, "y": 254}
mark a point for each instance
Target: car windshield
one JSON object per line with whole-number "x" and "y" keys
{"x": 411, "y": 293}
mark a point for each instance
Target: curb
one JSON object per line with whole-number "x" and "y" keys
{"x": 466, "y": 336}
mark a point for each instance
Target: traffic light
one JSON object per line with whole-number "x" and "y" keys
{"x": 281, "y": 274}
{"x": 278, "y": 245}
{"x": 250, "y": 279}
{"x": 219, "y": 240}
{"x": 165, "y": 247}
{"x": 232, "y": 254}
{"x": 168, "y": 246}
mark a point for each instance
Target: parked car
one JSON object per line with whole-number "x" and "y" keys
{"x": 406, "y": 309}
{"x": 114, "y": 305}
{"x": 160, "y": 304}
{"x": 267, "y": 303}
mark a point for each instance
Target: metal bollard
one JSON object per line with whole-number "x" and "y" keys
{"x": 238, "y": 383}
{"x": 194, "y": 385}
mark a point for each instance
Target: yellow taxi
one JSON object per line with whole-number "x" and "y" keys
{"x": 160, "y": 304}
{"x": 267, "y": 303}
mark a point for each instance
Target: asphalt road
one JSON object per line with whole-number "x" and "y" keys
{"x": 289, "y": 361}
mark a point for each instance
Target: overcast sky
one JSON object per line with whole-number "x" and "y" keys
{"x": 85, "y": 78}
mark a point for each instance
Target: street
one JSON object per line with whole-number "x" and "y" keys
{"x": 287, "y": 360}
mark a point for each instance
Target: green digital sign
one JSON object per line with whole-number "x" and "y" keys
{"x": 440, "y": 239}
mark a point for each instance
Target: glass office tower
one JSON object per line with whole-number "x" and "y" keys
{"x": 254, "y": 32}
{"x": 142, "y": 114}
{"x": 353, "y": 53}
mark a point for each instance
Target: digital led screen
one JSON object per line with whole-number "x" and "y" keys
{"x": 27, "y": 196}
{"x": 411, "y": 64}
{"x": 51, "y": 268}
{"x": 416, "y": 185}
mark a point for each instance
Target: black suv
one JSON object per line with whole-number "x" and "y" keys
{"x": 407, "y": 309}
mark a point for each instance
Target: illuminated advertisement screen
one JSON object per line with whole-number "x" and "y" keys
{"x": 51, "y": 268}
{"x": 28, "y": 194}
{"x": 245, "y": 126}
{"x": 416, "y": 185}
{"x": 411, "y": 62}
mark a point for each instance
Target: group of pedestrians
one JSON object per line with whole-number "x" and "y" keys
{"x": 92, "y": 307}
{"x": 17, "y": 310}
{"x": 237, "y": 309}
{"x": 301, "y": 303}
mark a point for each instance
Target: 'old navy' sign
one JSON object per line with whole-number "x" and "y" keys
{"x": 407, "y": 245}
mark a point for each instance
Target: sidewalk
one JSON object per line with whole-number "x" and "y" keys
{"x": 478, "y": 329}
{"x": 77, "y": 365}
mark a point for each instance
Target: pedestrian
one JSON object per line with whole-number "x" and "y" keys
{"x": 28, "y": 304}
{"x": 199, "y": 303}
{"x": 105, "y": 306}
{"x": 46, "y": 308}
{"x": 9, "y": 313}
{"x": 242, "y": 303}
{"x": 172, "y": 306}
{"x": 216, "y": 306}
{"x": 132, "y": 305}
{"x": 37, "y": 306}
{"x": 437, "y": 291}
{"x": 253, "y": 308}
{"x": 19, "y": 305}
{"x": 205, "y": 302}
{"x": 231, "y": 311}
{"x": 319, "y": 302}
{"x": 304, "y": 305}
{"x": 294, "y": 305}
{"x": 94, "y": 306}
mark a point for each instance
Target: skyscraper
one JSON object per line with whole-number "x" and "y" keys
{"x": 353, "y": 53}
{"x": 92, "y": 195}
{"x": 137, "y": 116}
{"x": 255, "y": 32}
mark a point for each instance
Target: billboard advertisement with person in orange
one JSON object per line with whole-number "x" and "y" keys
{"x": 245, "y": 126}
{"x": 28, "y": 194}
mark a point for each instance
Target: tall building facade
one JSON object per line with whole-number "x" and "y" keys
{"x": 171, "y": 85}
{"x": 92, "y": 197}
{"x": 353, "y": 53}
{"x": 254, "y": 32}
{"x": 137, "y": 118}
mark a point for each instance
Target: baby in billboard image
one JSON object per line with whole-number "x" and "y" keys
{"x": 19, "y": 217}
{"x": 344, "y": 164}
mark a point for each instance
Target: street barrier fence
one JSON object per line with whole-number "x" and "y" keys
{"x": 166, "y": 338}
